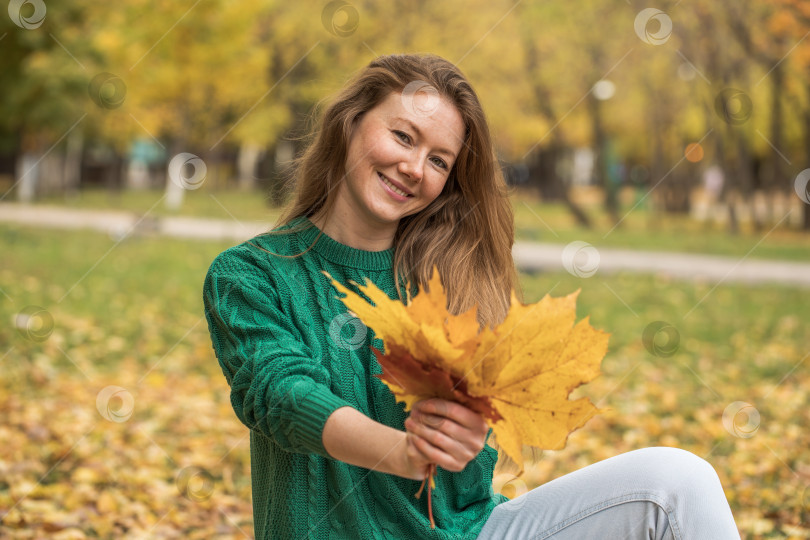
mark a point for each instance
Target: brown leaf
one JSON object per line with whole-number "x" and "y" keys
{"x": 518, "y": 375}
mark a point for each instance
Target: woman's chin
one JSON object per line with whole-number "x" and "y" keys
{"x": 385, "y": 214}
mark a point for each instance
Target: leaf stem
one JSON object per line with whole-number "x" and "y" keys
{"x": 430, "y": 482}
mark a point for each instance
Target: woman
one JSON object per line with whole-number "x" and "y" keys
{"x": 400, "y": 177}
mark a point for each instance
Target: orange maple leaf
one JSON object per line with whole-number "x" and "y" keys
{"x": 518, "y": 375}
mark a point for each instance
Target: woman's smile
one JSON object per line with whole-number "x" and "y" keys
{"x": 394, "y": 189}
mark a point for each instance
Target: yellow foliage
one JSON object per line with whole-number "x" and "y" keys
{"x": 518, "y": 374}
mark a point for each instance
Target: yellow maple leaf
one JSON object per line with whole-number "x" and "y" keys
{"x": 518, "y": 375}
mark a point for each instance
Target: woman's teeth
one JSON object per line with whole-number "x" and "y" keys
{"x": 392, "y": 187}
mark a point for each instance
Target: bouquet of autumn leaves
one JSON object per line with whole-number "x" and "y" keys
{"x": 517, "y": 375}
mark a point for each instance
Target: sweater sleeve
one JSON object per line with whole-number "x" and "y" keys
{"x": 277, "y": 388}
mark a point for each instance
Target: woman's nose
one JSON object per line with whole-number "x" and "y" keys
{"x": 412, "y": 167}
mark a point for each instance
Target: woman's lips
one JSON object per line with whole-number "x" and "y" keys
{"x": 392, "y": 189}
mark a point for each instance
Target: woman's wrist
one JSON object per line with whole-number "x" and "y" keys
{"x": 354, "y": 438}
{"x": 401, "y": 464}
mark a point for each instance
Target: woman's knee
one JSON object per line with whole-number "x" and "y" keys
{"x": 680, "y": 460}
{"x": 675, "y": 470}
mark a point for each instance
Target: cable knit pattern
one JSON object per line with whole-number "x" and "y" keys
{"x": 292, "y": 355}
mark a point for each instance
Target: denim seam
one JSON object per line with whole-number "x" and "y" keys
{"x": 640, "y": 496}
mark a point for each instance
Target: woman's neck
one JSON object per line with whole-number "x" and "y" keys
{"x": 349, "y": 230}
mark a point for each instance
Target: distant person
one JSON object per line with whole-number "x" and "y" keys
{"x": 402, "y": 176}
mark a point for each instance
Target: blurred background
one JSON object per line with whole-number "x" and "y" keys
{"x": 658, "y": 159}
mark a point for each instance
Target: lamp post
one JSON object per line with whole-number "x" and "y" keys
{"x": 603, "y": 90}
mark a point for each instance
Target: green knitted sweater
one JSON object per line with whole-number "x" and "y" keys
{"x": 292, "y": 355}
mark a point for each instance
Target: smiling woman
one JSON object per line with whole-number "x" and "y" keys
{"x": 398, "y": 163}
{"x": 402, "y": 177}
{"x": 413, "y": 124}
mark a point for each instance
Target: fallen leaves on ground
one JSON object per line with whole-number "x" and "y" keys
{"x": 179, "y": 466}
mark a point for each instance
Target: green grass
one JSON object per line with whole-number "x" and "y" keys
{"x": 641, "y": 227}
{"x": 104, "y": 281}
{"x": 645, "y": 229}
{"x": 725, "y": 324}
{"x": 146, "y": 291}
{"x": 121, "y": 311}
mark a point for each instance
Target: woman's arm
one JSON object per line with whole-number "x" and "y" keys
{"x": 279, "y": 389}
{"x": 438, "y": 431}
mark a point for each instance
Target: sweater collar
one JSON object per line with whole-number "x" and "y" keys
{"x": 333, "y": 251}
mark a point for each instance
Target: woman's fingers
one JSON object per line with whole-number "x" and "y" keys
{"x": 453, "y": 419}
{"x": 459, "y": 445}
{"x": 439, "y": 456}
{"x": 448, "y": 433}
{"x": 449, "y": 409}
{"x": 454, "y": 411}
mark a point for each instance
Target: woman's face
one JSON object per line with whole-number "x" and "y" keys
{"x": 399, "y": 157}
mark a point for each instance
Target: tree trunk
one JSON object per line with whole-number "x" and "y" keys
{"x": 555, "y": 150}
{"x": 600, "y": 169}
{"x": 174, "y": 187}
{"x": 745, "y": 174}
{"x": 777, "y": 140}
{"x": 806, "y": 206}
{"x": 246, "y": 164}
{"x": 727, "y": 192}
{"x": 777, "y": 173}
{"x": 544, "y": 176}
{"x": 806, "y": 217}
{"x": 73, "y": 163}
{"x": 27, "y": 176}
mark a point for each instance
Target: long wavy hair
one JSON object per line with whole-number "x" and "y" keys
{"x": 467, "y": 232}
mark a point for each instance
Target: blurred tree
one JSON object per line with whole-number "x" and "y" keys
{"x": 768, "y": 31}
{"x": 237, "y": 85}
{"x": 42, "y": 81}
{"x": 799, "y": 29}
{"x": 545, "y": 167}
{"x": 722, "y": 63}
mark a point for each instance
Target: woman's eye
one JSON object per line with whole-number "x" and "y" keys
{"x": 402, "y": 136}
{"x": 439, "y": 163}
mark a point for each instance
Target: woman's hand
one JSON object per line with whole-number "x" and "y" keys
{"x": 437, "y": 432}
{"x": 444, "y": 433}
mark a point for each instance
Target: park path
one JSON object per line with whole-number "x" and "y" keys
{"x": 529, "y": 256}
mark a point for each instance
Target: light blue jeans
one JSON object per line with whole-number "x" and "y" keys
{"x": 653, "y": 493}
